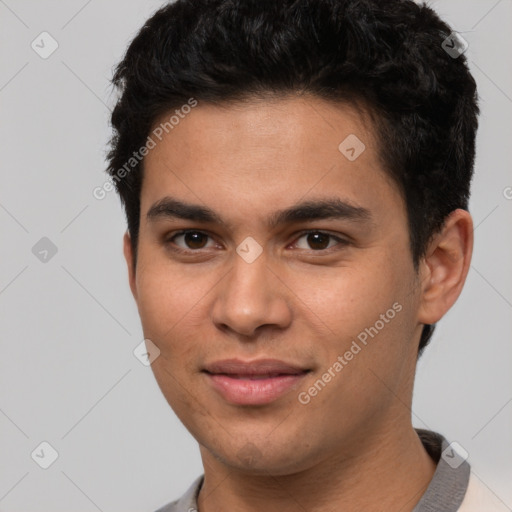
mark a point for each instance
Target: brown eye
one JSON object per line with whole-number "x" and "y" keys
{"x": 192, "y": 240}
{"x": 319, "y": 241}
{"x": 195, "y": 239}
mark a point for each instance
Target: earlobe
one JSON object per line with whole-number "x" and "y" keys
{"x": 128, "y": 255}
{"x": 445, "y": 266}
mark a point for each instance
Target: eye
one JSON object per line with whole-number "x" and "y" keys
{"x": 319, "y": 241}
{"x": 192, "y": 239}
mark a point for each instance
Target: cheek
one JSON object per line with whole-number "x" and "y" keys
{"x": 369, "y": 311}
{"x": 167, "y": 301}
{"x": 168, "y": 296}
{"x": 349, "y": 299}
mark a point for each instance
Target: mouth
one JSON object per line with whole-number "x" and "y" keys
{"x": 253, "y": 383}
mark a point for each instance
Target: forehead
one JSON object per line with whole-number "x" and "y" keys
{"x": 294, "y": 127}
{"x": 266, "y": 153}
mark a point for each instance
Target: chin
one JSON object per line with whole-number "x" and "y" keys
{"x": 263, "y": 459}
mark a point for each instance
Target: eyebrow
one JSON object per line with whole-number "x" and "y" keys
{"x": 307, "y": 211}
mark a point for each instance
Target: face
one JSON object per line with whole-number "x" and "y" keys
{"x": 297, "y": 251}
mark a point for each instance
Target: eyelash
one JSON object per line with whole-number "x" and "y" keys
{"x": 179, "y": 250}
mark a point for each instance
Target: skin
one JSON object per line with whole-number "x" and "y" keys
{"x": 295, "y": 302}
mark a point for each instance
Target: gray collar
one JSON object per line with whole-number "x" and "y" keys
{"x": 445, "y": 491}
{"x": 450, "y": 481}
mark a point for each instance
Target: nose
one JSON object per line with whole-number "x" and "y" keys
{"x": 250, "y": 297}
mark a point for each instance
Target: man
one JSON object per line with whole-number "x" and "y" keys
{"x": 296, "y": 176}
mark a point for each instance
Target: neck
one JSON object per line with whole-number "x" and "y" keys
{"x": 391, "y": 472}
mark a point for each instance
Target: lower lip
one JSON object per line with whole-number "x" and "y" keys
{"x": 253, "y": 391}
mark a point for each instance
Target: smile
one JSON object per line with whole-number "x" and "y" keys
{"x": 253, "y": 383}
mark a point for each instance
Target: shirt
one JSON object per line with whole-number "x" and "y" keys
{"x": 453, "y": 488}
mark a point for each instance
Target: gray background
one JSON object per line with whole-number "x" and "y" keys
{"x": 69, "y": 325}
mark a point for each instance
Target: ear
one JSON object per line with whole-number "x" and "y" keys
{"x": 128, "y": 255}
{"x": 445, "y": 266}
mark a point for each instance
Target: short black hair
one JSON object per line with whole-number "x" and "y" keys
{"x": 388, "y": 56}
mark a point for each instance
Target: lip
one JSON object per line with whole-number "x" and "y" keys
{"x": 253, "y": 382}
